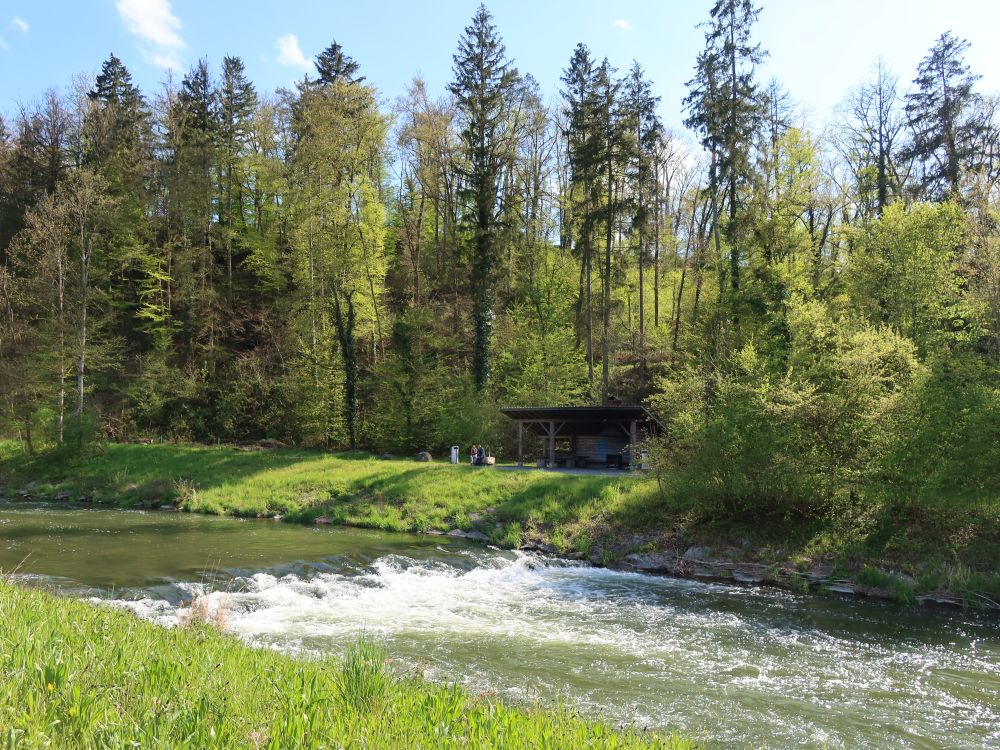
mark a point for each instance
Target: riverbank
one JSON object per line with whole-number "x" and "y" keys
{"x": 80, "y": 675}
{"x": 945, "y": 552}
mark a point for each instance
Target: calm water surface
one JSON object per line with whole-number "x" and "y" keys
{"x": 736, "y": 667}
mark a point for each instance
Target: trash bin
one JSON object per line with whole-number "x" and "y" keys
{"x": 644, "y": 460}
{"x": 454, "y": 454}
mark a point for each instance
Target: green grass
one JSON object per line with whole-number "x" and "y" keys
{"x": 83, "y": 676}
{"x": 347, "y": 488}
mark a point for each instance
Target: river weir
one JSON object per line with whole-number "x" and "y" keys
{"x": 732, "y": 666}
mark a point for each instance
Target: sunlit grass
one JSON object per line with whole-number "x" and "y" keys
{"x": 78, "y": 675}
{"x": 354, "y": 488}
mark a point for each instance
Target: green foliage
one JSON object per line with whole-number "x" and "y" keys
{"x": 225, "y": 265}
{"x": 905, "y": 274}
{"x": 412, "y": 388}
{"x": 763, "y": 441}
{"x": 539, "y": 367}
{"x": 868, "y": 576}
{"x": 483, "y": 87}
{"x": 944, "y": 437}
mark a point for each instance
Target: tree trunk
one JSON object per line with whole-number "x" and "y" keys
{"x": 656, "y": 246}
{"x": 684, "y": 267}
{"x": 609, "y": 238}
{"x": 86, "y": 247}
{"x": 61, "y": 416}
{"x": 642, "y": 290}
{"x": 348, "y": 351}
{"x": 731, "y": 234}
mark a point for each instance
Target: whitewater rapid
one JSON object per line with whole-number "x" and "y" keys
{"x": 732, "y": 665}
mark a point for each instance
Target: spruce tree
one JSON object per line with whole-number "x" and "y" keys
{"x": 193, "y": 136}
{"x": 582, "y": 145}
{"x": 646, "y": 132}
{"x": 123, "y": 107}
{"x": 483, "y": 85}
{"x": 237, "y": 102}
{"x": 116, "y": 129}
{"x": 725, "y": 108}
{"x": 613, "y": 135}
{"x": 941, "y": 113}
{"x": 333, "y": 66}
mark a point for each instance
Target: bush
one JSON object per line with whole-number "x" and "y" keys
{"x": 944, "y": 437}
{"x": 758, "y": 437}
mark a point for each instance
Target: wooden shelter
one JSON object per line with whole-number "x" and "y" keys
{"x": 590, "y": 436}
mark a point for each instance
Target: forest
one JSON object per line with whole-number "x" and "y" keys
{"x": 814, "y": 315}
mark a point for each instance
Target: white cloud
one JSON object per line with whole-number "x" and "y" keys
{"x": 20, "y": 23}
{"x": 622, "y": 25}
{"x": 290, "y": 54}
{"x": 3, "y": 45}
{"x": 154, "y": 23}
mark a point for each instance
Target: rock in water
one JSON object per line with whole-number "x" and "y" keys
{"x": 476, "y": 536}
{"x": 423, "y": 456}
{"x": 651, "y": 562}
{"x": 697, "y": 553}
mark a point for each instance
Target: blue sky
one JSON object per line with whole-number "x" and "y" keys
{"x": 819, "y": 49}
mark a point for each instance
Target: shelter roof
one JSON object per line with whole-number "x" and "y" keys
{"x": 584, "y": 420}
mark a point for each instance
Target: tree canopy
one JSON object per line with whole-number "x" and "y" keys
{"x": 315, "y": 265}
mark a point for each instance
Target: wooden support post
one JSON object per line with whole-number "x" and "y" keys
{"x": 520, "y": 443}
{"x": 552, "y": 445}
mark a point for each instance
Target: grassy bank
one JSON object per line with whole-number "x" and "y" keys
{"x": 78, "y": 675}
{"x": 948, "y": 544}
{"x": 346, "y": 488}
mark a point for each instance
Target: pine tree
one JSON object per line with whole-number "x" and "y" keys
{"x": 117, "y": 120}
{"x": 583, "y": 145}
{"x": 193, "y": 133}
{"x": 725, "y": 108}
{"x": 611, "y": 155}
{"x": 237, "y": 102}
{"x": 941, "y": 113}
{"x": 483, "y": 85}
{"x": 646, "y": 133}
{"x": 333, "y": 66}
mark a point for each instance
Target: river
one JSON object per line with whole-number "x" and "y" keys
{"x": 732, "y": 666}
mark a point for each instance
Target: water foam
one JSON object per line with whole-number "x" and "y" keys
{"x": 737, "y": 665}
